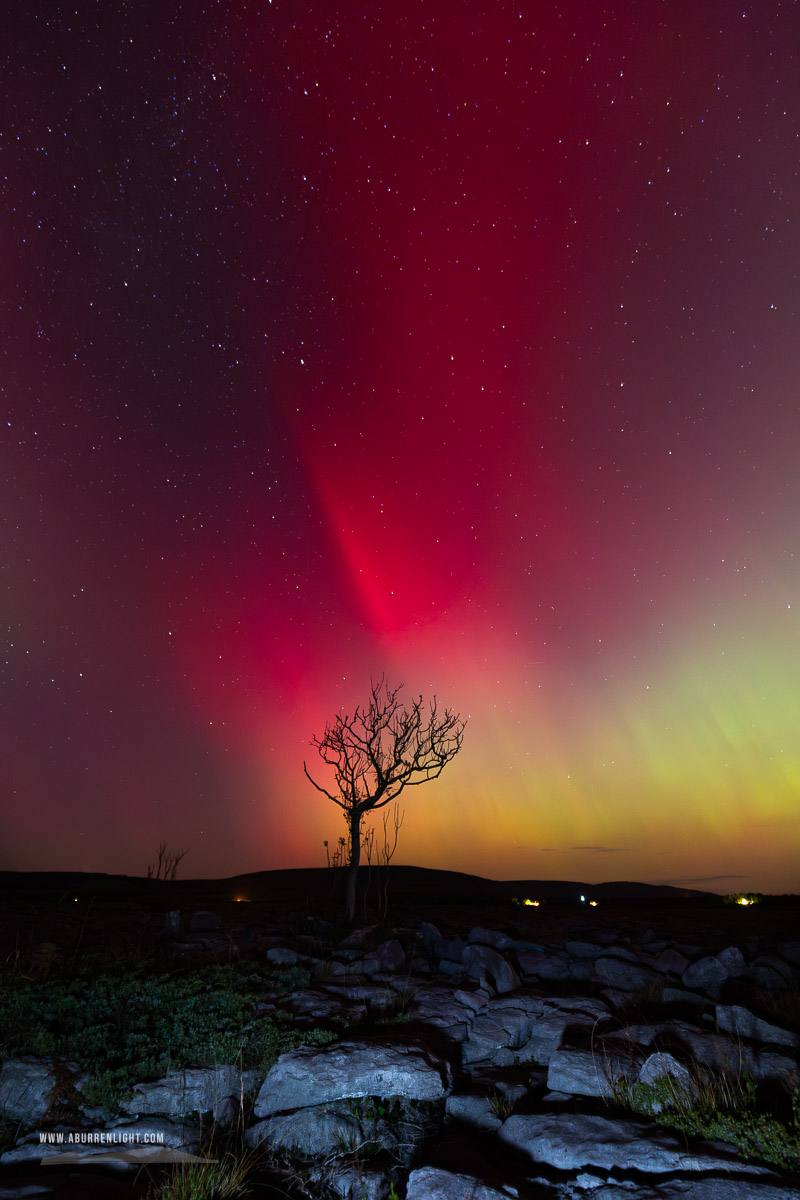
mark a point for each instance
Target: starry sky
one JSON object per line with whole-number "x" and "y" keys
{"x": 451, "y": 341}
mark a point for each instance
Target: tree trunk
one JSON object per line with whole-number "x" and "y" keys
{"x": 355, "y": 858}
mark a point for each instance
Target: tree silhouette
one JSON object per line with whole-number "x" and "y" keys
{"x": 166, "y": 866}
{"x": 381, "y": 749}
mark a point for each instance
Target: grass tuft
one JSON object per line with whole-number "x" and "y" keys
{"x": 222, "y": 1180}
{"x": 500, "y": 1105}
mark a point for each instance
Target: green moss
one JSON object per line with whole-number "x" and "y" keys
{"x": 126, "y": 1027}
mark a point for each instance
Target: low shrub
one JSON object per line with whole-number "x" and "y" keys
{"x": 722, "y": 1109}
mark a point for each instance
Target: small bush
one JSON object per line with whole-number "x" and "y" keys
{"x": 722, "y": 1109}
{"x": 756, "y": 1135}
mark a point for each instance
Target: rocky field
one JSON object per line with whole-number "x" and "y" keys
{"x": 453, "y": 1052}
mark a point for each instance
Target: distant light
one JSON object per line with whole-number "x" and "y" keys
{"x": 582, "y": 899}
{"x": 744, "y": 900}
{"x": 241, "y": 899}
{"x": 531, "y": 903}
{"x": 592, "y": 904}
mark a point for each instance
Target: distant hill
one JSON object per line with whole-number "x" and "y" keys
{"x": 408, "y": 885}
{"x": 551, "y": 889}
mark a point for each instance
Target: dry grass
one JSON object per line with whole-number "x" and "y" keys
{"x": 500, "y": 1105}
{"x": 225, "y": 1179}
{"x": 781, "y": 1007}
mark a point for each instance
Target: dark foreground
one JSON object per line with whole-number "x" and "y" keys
{"x": 56, "y": 919}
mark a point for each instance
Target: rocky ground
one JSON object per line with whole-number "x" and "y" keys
{"x": 482, "y": 1053}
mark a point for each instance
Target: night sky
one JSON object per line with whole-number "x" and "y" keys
{"x": 449, "y": 340}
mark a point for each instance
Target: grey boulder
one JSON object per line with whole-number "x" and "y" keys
{"x": 678, "y": 1083}
{"x": 714, "y": 969}
{"x": 741, "y": 1022}
{"x": 484, "y": 962}
{"x": 319, "y": 1075}
{"x": 25, "y": 1087}
{"x": 489, "y": 937}
{"x": 390, "y": 956}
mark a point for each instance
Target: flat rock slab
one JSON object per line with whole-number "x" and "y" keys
{"x": 568, "y": 1013}
{"x": 325, "y": 1131}
{"x": 475, "y": 1110}
{"x": 504, "y": 1024}
{"x": 318, "y": 1075}
{"x": 544, "y": 966}
{"x": 215, "y": 1090}
{"x": 437, "y": 1006}
{"x": 432, "y": 1183}
{"x": 619, "y": 972}
{"x": 698, "y": 1189}
{"x": 580, "y": 1141}
{"x": 587, "y": 1072}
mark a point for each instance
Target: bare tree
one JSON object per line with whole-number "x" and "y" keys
{"x": 167, "y": 864}
{"x": 381, "y": 749}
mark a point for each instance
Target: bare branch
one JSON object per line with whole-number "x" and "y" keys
{"x": 325, "y": 792}
{"x": 167, "y": 863}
